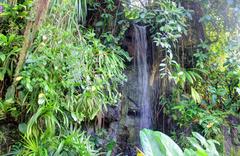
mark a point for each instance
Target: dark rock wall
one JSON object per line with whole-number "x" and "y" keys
{"x": 231, "y": 136}
{"x": 128, "y": 132}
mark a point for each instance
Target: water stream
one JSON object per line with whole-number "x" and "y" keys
{"x": 139, "y": 3}
{"x": 143, "y": 76}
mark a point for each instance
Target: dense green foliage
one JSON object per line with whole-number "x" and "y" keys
{"x": 166, "y": 20}
{"x": 74, "y": 67}
{"x": 206, "y": 92}
{"x": 69, "y": 76}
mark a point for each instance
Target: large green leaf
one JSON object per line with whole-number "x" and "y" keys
{"x": 158, "y": 144}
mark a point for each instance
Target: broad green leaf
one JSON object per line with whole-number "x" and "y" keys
{"x": 158, "y": 144}
{"x": 11, "y": 38}
{"x": 3, "y": 38}
{"x": 201, "y": 153}
{"x": 10, "y": 93}
{"x": 189, "y": 152}
{"x": 22, "y": 127}
{"x": 9, "y": 101}
{"x": 2, "y": 57}
{"x": 99, "y": 24}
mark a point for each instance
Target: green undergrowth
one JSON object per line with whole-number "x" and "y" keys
{"x": 69, "y": 76}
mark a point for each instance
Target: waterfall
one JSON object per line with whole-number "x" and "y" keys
{"x": 143, "y": 76}
{"x": 139, "y": 3}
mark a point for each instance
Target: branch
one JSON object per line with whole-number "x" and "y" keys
{"x": 141, "y": 3}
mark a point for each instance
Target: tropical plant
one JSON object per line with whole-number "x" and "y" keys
{"x": 71, "y": 142}
{"x": 13, "y": 19}
{"x": 61, "y": 70}
{"x": 166, "y": 19}
{"x": 155, "y": 143}
{"x": 69, "y": 76}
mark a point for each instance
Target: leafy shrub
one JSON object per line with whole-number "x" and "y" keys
{"x": 71, "y": 142}
{"x": 166, "y": 19}
{"x": 69, "y": 76}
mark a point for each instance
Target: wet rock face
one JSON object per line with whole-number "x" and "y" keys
{"x": 128, "y": 44}
{"x": 8, "y": 136}
{"x": 112, "y": 114}
{"x": 231, "y": 135}
{"x": 130, "y": 114}
{"x": 129, "y": 124}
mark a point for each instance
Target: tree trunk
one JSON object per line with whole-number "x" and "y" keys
{"x": 39, "y": 11}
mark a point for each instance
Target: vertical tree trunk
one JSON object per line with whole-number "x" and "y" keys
{"x": 39, "y": 10}
{"x": 198, "y": 13}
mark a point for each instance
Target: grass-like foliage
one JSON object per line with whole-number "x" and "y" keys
{"x": 69, "y": 76}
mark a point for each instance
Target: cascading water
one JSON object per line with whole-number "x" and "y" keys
{"x": 139, "y": 92}
{"x": 140, "y": 3}
{"x": 143, "y": 76}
